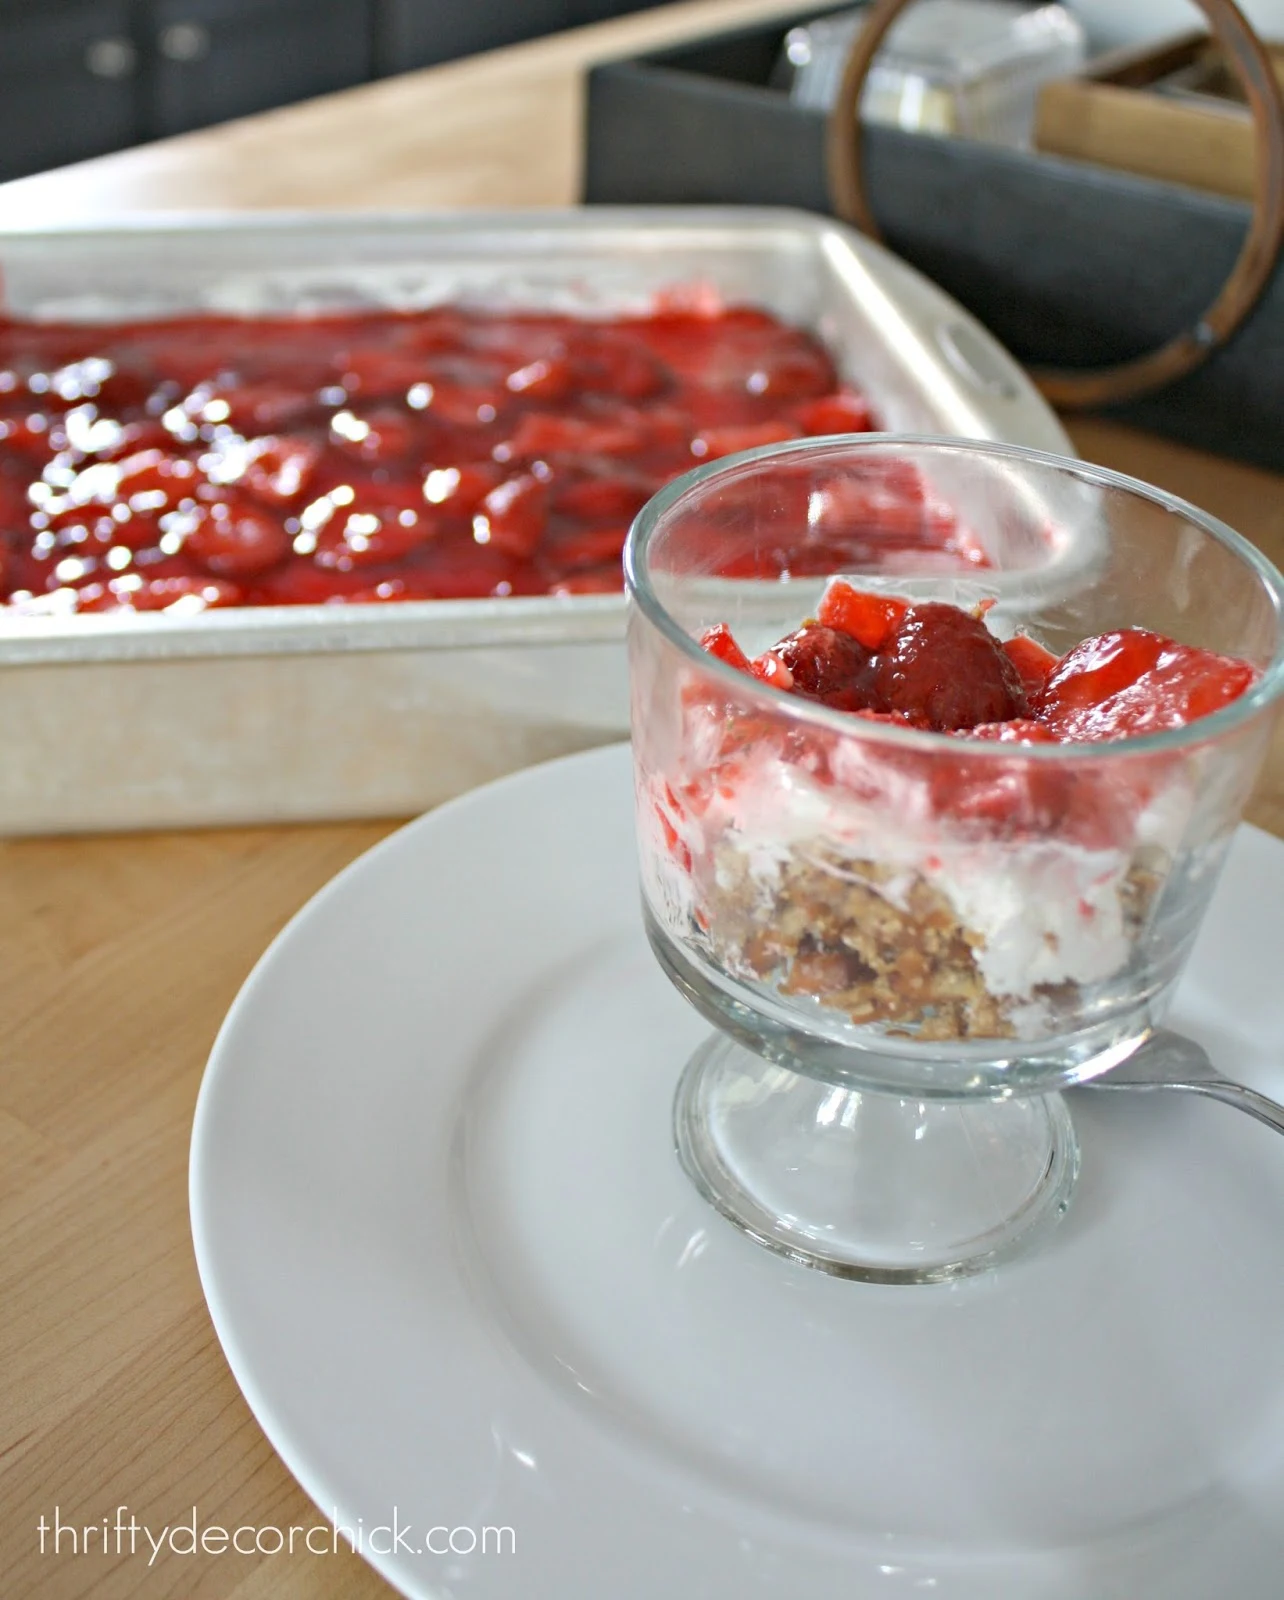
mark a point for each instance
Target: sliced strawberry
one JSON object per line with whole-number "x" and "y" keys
{"x": 621, "y": 366}
{"x": 160, "y": 594}
{"x": 378, "y": 433}
{"x": 551, "y": 378}
{"x": 264, "y": 407}
{"x": 438, "y": 329}
{"x": 460, "y": 490}
{"x": 771, "y": 669}
{"x": 135, "y": 437}
{"x": 137, "y": 530}
{"x": 794, "y": 370}
{"x": 721, "y": 642}
{"x": 1183, "y": 685}
{"x": 870, "y": 618}
{"x": 29, "y": 433}
{"x": 372, "y": 538}
{"x": 540, "y": 434}
{"x": 602, "y": 497}
{"x": 300, "y": 583}
{"x": 586, "y": 547}
{"x": 843, "y": 412}
{"x": 1032, "y": 661}
{"x": 15, "y": 508}
{"x": 713, "y": 443}
{"x": 468, "y": 405}
{"x": 124, "y": 389}
{"x": 233, "y": 538}
{"x": 458, "y": 568}
{"x": 151, "y": 480}
{"x": 1096, "y": 669}
{"x": 372, "y": 373}
{"x": 513, "y": 516}
{"x": 280, "y": 468}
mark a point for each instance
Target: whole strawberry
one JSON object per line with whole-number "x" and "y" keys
{"x": 945, "y": 670}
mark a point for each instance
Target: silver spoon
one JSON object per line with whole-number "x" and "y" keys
{"x": 1171, "y": 1061}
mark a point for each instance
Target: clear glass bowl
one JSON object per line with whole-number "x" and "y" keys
{"x": 907, "y": 941}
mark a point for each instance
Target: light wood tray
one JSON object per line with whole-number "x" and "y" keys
{"x": 1170, "y": 111}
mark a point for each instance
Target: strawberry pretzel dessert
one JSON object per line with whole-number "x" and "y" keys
{"x": 206, "y": 461}
{"x": 892, "y": 883}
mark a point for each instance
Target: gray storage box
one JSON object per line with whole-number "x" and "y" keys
{"x": 1066, "y": 264}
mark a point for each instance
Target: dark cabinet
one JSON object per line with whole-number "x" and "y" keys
{"x": 215, "y": 59}
{"x": 79, "y": 78}
{"x": 417, "y": 33}
{"x": 69, "y": 82}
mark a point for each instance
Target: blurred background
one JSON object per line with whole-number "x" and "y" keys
{"x": 81, "y": 78}
{"x": 1078, "y": 174}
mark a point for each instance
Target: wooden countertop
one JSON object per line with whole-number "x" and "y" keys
{"x": 119, "y": 956}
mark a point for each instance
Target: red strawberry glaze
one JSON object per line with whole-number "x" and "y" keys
{"x": 387, "y": 455}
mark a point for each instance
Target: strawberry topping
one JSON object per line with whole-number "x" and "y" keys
{"x": 935, "y": 666}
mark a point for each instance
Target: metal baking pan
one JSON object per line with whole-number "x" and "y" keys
{"x": 296, "y": 713}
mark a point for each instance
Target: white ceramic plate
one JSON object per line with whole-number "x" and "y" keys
{"x": 459, "y": 1275}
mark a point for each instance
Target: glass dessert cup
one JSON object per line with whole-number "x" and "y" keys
{"x": 909, "y": 940}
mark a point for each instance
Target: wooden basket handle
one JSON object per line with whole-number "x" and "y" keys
{"x": 1075, "y": 389}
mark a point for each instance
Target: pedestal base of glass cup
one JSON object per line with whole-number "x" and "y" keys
{"x": 869, "y": 1186}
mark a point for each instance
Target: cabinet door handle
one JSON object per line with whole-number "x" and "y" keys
{"x": 113, "y": 57}
{"x": 184, "y": 41}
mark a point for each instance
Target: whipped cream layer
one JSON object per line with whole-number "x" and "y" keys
{"x": 1042, "y": 910}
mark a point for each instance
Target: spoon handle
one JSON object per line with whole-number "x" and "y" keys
{"x": 1235, "y": 1094}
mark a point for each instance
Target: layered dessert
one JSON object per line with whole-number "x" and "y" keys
{"x": 972, "y": 887}
{"x": 446, "y": 453}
